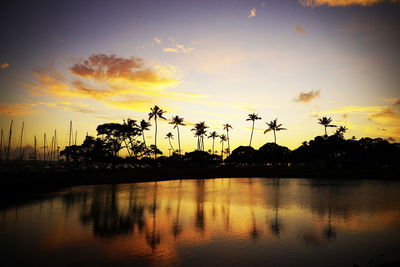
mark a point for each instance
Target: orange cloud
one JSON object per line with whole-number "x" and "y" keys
{"x": 342, "y": 3}
{"x": 300, "y": 29}
{"x": 16, "y": 109}
{"x": 4, "y": 65}
{"x": 252, "y": 13}
{"x": 110, "y": 68}
{"x": 386, "y": 116}
{"x": 308, "y": 96}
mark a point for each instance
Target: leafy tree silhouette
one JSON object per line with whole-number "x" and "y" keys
{"x": 340, "y": 131}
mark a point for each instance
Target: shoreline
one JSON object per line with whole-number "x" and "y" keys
{"x": 21, "y": 187}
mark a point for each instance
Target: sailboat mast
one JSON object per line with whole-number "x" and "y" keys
{"x": 55, "y": 144}
{"x": 44, "y": 147}
{"x": 20, "y": 142}
{"x": 1, "y": 145}
{"x": 34, "y": 148}
{"x": 9, "y": 142}
{"x": 70, "y": 133}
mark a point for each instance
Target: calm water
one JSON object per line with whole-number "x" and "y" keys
{"x": 237, "y": 221}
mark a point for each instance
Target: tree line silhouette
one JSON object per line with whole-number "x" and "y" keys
{"x": 333, "y": 150}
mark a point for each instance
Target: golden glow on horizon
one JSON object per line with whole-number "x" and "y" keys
{"x": 295, "y": 72}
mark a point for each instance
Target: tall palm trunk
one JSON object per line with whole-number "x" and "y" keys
{"x": 155, "y": 138}
{"x": 229, "y": 145}
{"x": 144, "y": 139}
{"x": 251, "y": 137}
{"x": 179, "y": 140}
{"x": 127, "y": 148}
{"x": 213, "y": 145}
{"x": 325, "y": 130}
{"x": 169, "y": 139}
{"x": 222, "y": 151}
{"x": 274, "y": 136}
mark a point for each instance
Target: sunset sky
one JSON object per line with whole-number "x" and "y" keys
{"x": 94, "y": 62}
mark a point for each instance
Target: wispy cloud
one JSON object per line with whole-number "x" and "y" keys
{"x": 307, "y": 96}
{"x": 300, "y": 29}
{"x": 4, "y": 65}
{"x": 68, "y": 106}
{"x": 380, "y": 117}
{"x": 178, "y": 49}
{"x": 16, "y": 109}
{"x": 367, "y": 110}
{"x": 386, "y": 116}
{"x": 252, "y": 13}
{"x": 341, "y": 3}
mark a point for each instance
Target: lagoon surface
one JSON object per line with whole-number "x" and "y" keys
{"x": 230, "y": 221}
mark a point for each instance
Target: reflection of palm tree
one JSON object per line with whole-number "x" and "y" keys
{"x": 170, "y": 136}
{"x": 176, "y": 120}
{"x": 155, "y": 113}
{"x": 226, "y": 127}
{"x": 326, "y": 122}
{"x": 274, "y": 126}
{"x": 177, "y": 228}
{"x": 329, "y": 231}
{"x": 223, "y": 139}
{"x": 200, "y": 192}
{"x": 144, "y": 126}
{"x": 252, "y": 117}
{"x": 276, "y": 225}
{"x": 255, "y": 233}
{"x": 153, "y": 239}
{"x": 213, "y": 135}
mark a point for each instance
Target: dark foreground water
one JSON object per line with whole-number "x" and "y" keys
{"x": 269, "y": 222}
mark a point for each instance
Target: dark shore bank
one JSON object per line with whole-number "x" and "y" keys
{"x": 18, "y": 183}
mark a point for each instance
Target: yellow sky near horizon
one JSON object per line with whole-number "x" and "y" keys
{"x": 319, "y": 61}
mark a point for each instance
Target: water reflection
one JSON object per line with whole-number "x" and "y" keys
{"x": 158, "y": 222}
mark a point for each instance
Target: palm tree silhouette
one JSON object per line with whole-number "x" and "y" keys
{"x": 200, "y": 131}
{"x": 176, "y": 120}
{"x": 144, "y": 126}
{"x": 341, "y": 130}
{"x": 223, "y": 139}
{"x": 252, "y": 117}
{"x": 170, "y": 136}
{"x": 226, "y": 127}
{"x": 326, "y": 122}
{"x": 274, "y": 126}
{"x": 155, "y": 113}
{"x": 213, "y": 135}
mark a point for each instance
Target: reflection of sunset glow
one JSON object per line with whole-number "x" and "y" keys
{"x": 160, "y": 220}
